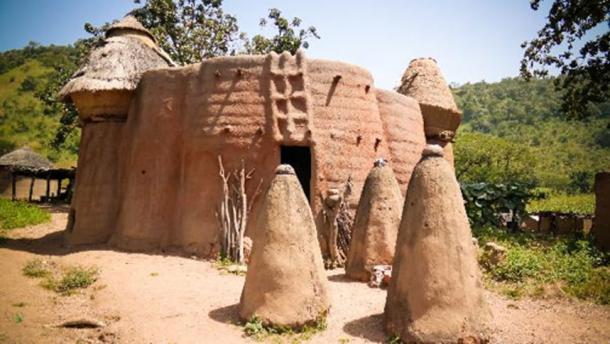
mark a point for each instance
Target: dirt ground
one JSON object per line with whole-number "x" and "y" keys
{"x": 152, "y": 298}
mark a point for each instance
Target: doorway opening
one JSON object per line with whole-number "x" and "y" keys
{"x": 300, "y": 159}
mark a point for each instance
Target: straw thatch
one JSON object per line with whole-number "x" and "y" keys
{"x": 118, "y": 62}
{"x": 26, "y": 159}
{"x": 128, "y": 23}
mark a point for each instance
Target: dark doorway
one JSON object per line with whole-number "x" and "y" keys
{"x": 300, "y": 159}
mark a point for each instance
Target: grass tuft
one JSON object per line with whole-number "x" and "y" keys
{"x": 73, "y": 278}
{"x": 36, "y": 268}
{"x": 63, "y": 280}
{"x": 259, "y": 331}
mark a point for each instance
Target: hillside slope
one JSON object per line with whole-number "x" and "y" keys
{"x": 525, "y": 116}
{"x": 24, "y": 120}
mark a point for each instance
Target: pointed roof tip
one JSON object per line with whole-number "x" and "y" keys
{"x": 423, "y": 59}
{"x": 129, "y": 22}
{"x": 424, "y": 81}
{"x": 380, "y": 162}
{"x": 284, "y": 169}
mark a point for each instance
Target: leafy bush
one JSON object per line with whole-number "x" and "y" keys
{"x": 534, "y": 263}
{"x": 20, "y": 214}
{"x": 485, "y": 202}
{"x": 583, "y": 204}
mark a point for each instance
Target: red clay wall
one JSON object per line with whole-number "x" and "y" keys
{"x": 404, "y": 129}
{"x": 182, "y": 119}
{"x": 95, "y": 200}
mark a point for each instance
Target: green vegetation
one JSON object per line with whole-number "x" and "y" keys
{"x": 20, "y": 214}
{"x": 486, "y": 202}
{"x": 73, "y": 278}
{"x": 515, "y": 131}
{"x": 24, "y": 117}
{"x": 544, "y": 266}
{"x": 37, "y": 268}
{"x": 62, "y": 280}
{"x": 256, "y": 329}
{"x": 569, "y": 204}
{"x": 18, "y": 318}
{"x": 585, "y": 67}
{"x": 225, "y": 264}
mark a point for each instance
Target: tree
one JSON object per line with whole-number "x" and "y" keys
{"x": 190, "y": 30}
{"x": 586, "y": 72}
{"x": 63, "y": 71}
{"x": 485, "y": 158}
{"x": 285, "y": 40}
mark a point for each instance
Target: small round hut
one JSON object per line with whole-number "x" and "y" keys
{"x": 102, "y": 90}
{"x": 17, "y": 169}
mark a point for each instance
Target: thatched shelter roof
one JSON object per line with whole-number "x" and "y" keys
{"x": 118, "y": 62}
{"x": 26, "y": 159}
{"x": 424, "y": 81}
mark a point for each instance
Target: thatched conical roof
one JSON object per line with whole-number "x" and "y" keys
{"x": 129, "y": 23}
{"x": 118, "y": 62}
{"x": 25, "y": 158}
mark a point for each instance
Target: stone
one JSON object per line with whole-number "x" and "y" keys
{"x": 494, "y": 253}
{"x": 375, "y": 225}
{"x": 435, "y": 294}
{"x": 380, "y": 276}
{"x": 286, "y": 285}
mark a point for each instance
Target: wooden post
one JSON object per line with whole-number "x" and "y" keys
{"x": 31, "y": 189}
{"x": 58, "y": 188}
{"x": 48, "y": 193}
{"x": 14, "y": 184}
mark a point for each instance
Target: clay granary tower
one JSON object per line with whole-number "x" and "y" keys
{"x": 148, "y": 174}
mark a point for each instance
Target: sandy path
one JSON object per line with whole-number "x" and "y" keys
{"x": 147, "y": 298}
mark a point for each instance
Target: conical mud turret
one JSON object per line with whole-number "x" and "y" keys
{"x": 435, "y": 295}
{"x": 424, "y": 81}
{"x": 376, "y": 223}
{"x": 286, "y": 284}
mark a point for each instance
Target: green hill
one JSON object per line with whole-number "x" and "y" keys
{"x": 24, "y": 120}
{"x": 521, "y": 124}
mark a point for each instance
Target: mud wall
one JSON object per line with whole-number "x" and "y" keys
{"x": 95, "y": 200}
{"x": 404, "y": 129}
{"x": 240, "y": 108}
{"x": 181, "y": 122}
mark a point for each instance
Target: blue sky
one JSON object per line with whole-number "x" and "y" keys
{"x": 471, "y": 40}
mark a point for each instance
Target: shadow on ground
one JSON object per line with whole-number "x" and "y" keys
{"x": 369, "y": 327}
{"x": 226, "y": 315}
